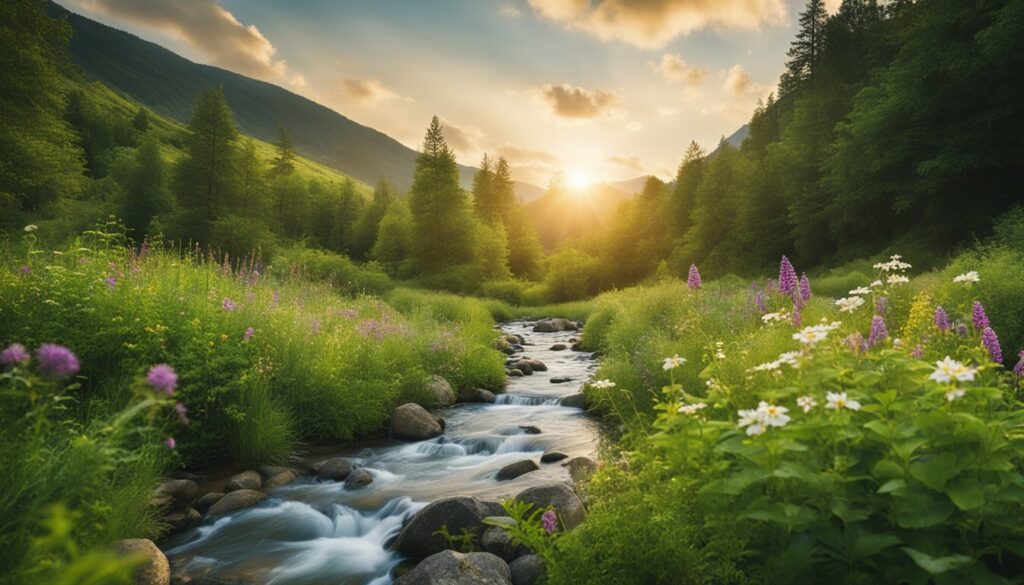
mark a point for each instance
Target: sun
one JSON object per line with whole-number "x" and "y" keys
{"x": 578, "y": 179}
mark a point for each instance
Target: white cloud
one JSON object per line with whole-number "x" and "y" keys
{"x": 576, "y": 103}
{"x": 365, "y": 91}
{"x": 676, "y": 71}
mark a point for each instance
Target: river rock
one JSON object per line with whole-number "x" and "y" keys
{"x": 578, "y": 400}
{"x": 580, "y": 468}
{"x": 440, "y": 391}
{"x": 412, "y": 422}
{"x": 529, "y": 429}
{"x": 454, "y": 568}
{"x": 497, "y": 542}
{"x": 155, "y": 570}
{"x": 523, "y": 366}
{"x": 504, "y": 346}
{"x": 559, "y": 347}
{"x": 552, "y": 456}
{"x": 268, "y": 471}
{"x": 247, "y": 480}
{"x": 477, "y": 395}
{"x": 537, "y": 365}
{"x": 358, "y": 478}
{"x": 203, "y": 503}
{"x": 560, "y": 496}
{"x": 553, "y": 325}
{"x": 279, "y": 479}
{"x": 528, "y": 570}
{"x": 181, "y": 490}
{"x": 561, "y": 380}
{"x": 336, "y": 469}
{"x": 187, "y": 518}
{"x": 544, "y": 327}
{"x": 578, "y": 347}
{"x": 236, "y": 500}
{"x": 514, "y": 373}
{"x": 419, "y": 538}
{"x": 514, "y": 470}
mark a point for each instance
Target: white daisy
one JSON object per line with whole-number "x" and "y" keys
{"x": 849, "y": 304}
{"x": 806, "y": 402}
{"x": 602, "y": 384}
{"x": 949, "y": 370}
{"x": 967, "y": 277}
{"x": 839, "y": 401}
{"x": 673, "y": 362}
{"x": 691, "y": 409}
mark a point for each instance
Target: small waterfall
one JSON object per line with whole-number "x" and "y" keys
{"x": 521, "y": 400}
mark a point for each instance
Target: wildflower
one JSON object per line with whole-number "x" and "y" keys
{"x": 26, "y": 270}
{"x": 918, "y": 352}
{"x": 897, "y": 279}
{"x": 954, "y": 393}
{"x": 807, "y": 403}
{"x": 249, "y": 332}
{"x": 766, "y": 367}
{"x": 991, "y": 343}
{"x": 811, "y": 335}
{"x": 880, "y": 304}
{"x": 861, "y": 290}
{"x": 893, "y": 265}
{"x": 949, "y": 370}
{"x": 550, "y": 521}
{"x": 14, "y": 354}
{"x": 797, "y": 318}
{"x": 878, "y": 331}
{"x": 602, "y": 384}
{"x": 752, "y": 420}
{"x": 774, "y": 416}
{"x": 228, "y": 304}
{"x": 673, "y": 362}
{"x": 942, "y": 319}
{"x": 967, "y": 278}
{"x": 31, "y": 228}
{"x": 787, "y": 277}
{"x": 57, "y": 361}
{"x": 181, "y": 411}
{"x": 805, "y": 287}
{"x": 693, "y": 280}
{"x": 856, "y": 342}
{"x": 111, "y": 282}
{"x": 765, "y": 416}
{"x": 839, "y": 401}
{"x": 759, "y": 301}
{"x": 776, "y": 317}
{"x": 170, "y": 442}
{"x": 162, "y": 378}
{"x": 849, "y": 304}
{"x": 719, "y": 350}
{"x": 978, "y": 316}
{"x": 1018, "y": 370}
{"x": 876, "y": 283}
{"x": 692, "y": 409}
{"x": 790, "y": 358}
{"x": 349, "y": 313}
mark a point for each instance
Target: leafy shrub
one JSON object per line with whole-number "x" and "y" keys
{"x": 509, "y": 291}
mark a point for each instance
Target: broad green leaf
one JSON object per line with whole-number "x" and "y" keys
{"x": 935, "y": 471}
{"x": 737, "y": 482}
{"x": 922, "y": 509}
{"x": 966, "y": 493}
{"x": 937, "y": 565}
{"x": 785, "y": 514}
{"x": 896, "y": 486}
{"x": 887, "y": 469}
{"x": 872, "y": 544}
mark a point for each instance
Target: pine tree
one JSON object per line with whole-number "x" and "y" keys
{"x": 504, "y": 190}
{"x": 440, "y": 211}
{"x": 805, "y": 51}
{"x": 251, "y": 183}
{"x": 369, "y": 221}
{"x": 350, "y": 207}
{"x": 206, "y": 175}
{"x": 146, "y": 194}
{"x": 284, "y": 162}
{"x": 483, "y": 192}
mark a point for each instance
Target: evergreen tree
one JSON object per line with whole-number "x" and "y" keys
{"x": 291, "y": 200}
{"x": 141, "y": 121}
{"x": 369, "y": 221}
{"x": 805, "y": 51}
{"x": 206, "y": 175}
{"x": 284, "y": 161}
{"x": 483, "y": 192}
{"x": 439, "y": 206}
{"x": 688, "y": 178}
{"x": 350, "y": 207}
{"x": 395, "y": 240}
{"x": 251, "y": 182}
{"x": 146, "y": 194}
{"x": 503, "y": 190}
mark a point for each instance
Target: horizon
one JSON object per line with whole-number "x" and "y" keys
{"x": 640, "y": 83}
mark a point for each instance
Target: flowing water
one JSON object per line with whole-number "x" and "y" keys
{"x": 312, "y": 532}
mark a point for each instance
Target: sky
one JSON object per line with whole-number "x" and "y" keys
{"x": 598, "y": 90}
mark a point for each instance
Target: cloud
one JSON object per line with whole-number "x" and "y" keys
{"x": 676, "y": 71}
{"x": 203, "y": 25}
{"x": 631, "y": 162}
{"x": 463, "y": 139}
{"x": 739, "y": 83}
{"x": 510, "y": 11}
{"x": 298, "y": 81}
{"x": 365, "y": 91}
{"x": 650, "y": 24}
{"x": 576, "y": 103}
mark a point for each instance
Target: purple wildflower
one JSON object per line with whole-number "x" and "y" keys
{"x": 162, "y": 378}
{"x": 349, "y": 313}
{"x": 26, "y": 270}
{"x": 56, "y": 361}
{"x": 797, "y": 318}
{"x": 991, "y": 343}
{"x": 1018, "y": 370}
{"x": 249, "y": 332}
{"x": 961, "y": 330}
{"x": 918, "y": 352}
{"x": 787, "y": 277}
{"x": 942, "y": 319}
{"x": 856, "y": 343}
{"x": 550, "y": 521}
{"x": 111, "y": 282}
{"x": 979, "y": 317}
{"x": 693, "y": 280}
{"x": 880, "y": 304}
{"x": 170, "y": 442}
{"x": 14, "y": 355}
{"x": 878, "y": 331}
{"x": 805, "y": 287}
{"x": 228, "y": 304}
{"x": 759, "y": 300}
{"x": 180, "y": 409}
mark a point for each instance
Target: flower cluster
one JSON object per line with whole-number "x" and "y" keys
{"x": 812, "y": 334}
{"x": 693, "y": 279}
{"x": 602, "y": 384}
{"x": 849, "y": 304}
{"x": 967, "y": 278}
{"x": 895, "y": 264}
{"x": 692, "y": 409}
{"x": 760, "y": 419}
{"x": 673, "y": 362}
{"x": 787, "y": 277}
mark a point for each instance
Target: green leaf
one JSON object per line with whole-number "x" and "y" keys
{"x": 966, "y": 493}
{"x": 923, "y": 509}
{"x": 785, "y": 514}
{"x": 937, "y": 565}
{"x": 896, "y": 486}
{"x": 737, "y": 482}
{"x": 935, "y": 471}
{"x": 873, "y": 544}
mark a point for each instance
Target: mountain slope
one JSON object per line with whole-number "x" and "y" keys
{"x": 168, "y": 83}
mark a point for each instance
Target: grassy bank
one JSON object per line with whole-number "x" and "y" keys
{"x": 834, "y": 448}
{"x": 263, "y": 361}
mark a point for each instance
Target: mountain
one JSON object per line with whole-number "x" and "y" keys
{"x": 168, "y": 83}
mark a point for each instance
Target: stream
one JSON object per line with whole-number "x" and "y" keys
{"x": 316, "y": 532}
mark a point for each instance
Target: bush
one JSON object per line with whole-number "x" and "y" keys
{"x": 509, "y": 291}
